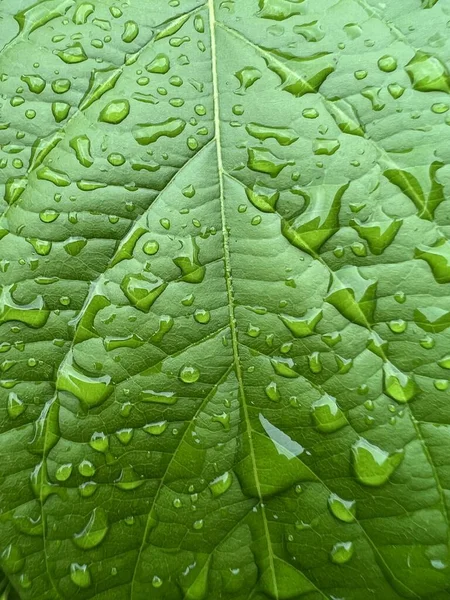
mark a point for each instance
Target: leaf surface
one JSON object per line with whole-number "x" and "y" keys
{"x": 225, "y": 315}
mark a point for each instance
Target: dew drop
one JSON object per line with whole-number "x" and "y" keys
{"x": 372, "y": 465}
{"x": 326, "y": 414}
{"x": 344, "y": 510}
{"x": 189, "y": 374}
{"x": 342, "y": 552}
{"x": 80, "y": 575}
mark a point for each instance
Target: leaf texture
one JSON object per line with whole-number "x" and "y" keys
{"x": 224, "y": 312}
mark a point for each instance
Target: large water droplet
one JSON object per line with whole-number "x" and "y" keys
{"x": 262, "y": 160}
{"x": 303, "y": 326}
{"x": 158, "y": 397}
{"x": 94, "y": 532}
{"x": 263, "y": 197}
{"x": 82, "y": 147}
{"x": 91, "y": 391}
{"x": 80, "y": 575}
{"x": 142, "y": 291}
{"x": 342, "y": 552}
{"x": 284, "y": 367}
{"x": 317, "y": 220}
{"x": 372, "y": 465}
{"x": 148, "y": 133}
{"x": 189, "y": 374}
{"x": 221, "y": 484}
{"x": 12, "y": 559}
{"x": 34, "y": 314}
{"x": 279, "y": 10}
{"x": 160, "y": 64}
{"x": 72, "y": 54}
{"x": 327, "y": 415}
{"x": 353, "y": 295}
{"x": 438, "y": 259}
{"x": 115, "y": 112}
{"x": 189, "y": 264}
{"x": 398, "y": 385}
{"x": 428, "y": 74}
{"x": 344, "y": 510}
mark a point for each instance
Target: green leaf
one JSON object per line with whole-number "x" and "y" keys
{"x": 224, "y": 309}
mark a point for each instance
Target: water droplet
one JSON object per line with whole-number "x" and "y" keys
{"x": 58, "y": 178}
{"x": 353, "y": 295}
{"x": 156, "y": 428}
{"x": 303, "y": 326}
{"x": 60, "y": 111}
{"x": 188, "y": 263}
{"x": 82, "y": 13}
{"x": 247, "y": 77}
{"x": 387, "y": 63}
{"x": 372, "y": 465}
{"x": 283, "y": 135}
{"x": 221, "y": 484}
{"x": 72, "y": 54}
{"x": 284, "y": 367}
{"x": 353, "y": 30}
{"x": 128, "y": 480}
{"x": 91, "y": 391}
{"x": 80, "y": 575}
{"x": 148, "y": 133}
{"x": 202, "y": 316}
{"x": 344, "y": 510}
{"x": 16, "y": 407}
{"x": 438, "y": 259}
{"x": 441, "y": 384}
{"x": 398, "y": 325}
{"x": 61, "y": 86}
{"x": 82, "y": 147}
{"x": 94, "y": 532}
{"x": 325, "y": 146}
{"x": 116, "y": 159}
{"x": 428, "y": 74}
{"x": 64, "y": 471}
{"x": 158, "y": 397}
{"x": 223, "y": 419}
{"x": 11, "y": 559}
{"x": 99, "y": 441}
{"x": 33, "y": 314}
{"x": 372, "y": 93}
{"x": 262, "y": 197}
{"x": 326, "y": 414}
{"x": 125, "y": 435}
{"x": 115, "y": 112}
{"x": 151, "y": 247}
{"x": 272, "y": 391}
{"x": 342, "y": 552}
{"x": 398, "y": 385}
{"x": 439, "y": 108}
{"x": 142, "y": 291}
{"x": 86, "y": 468}
{"x": 312, "y": 31}
{"x": 318, "y": 219}
{"x": 35, "y": 83}
{"x": 130, "y": 31}
{"x": 189, "y": 374}
{"x": 262, "y": 160}
{"x": 310, "y": 113}
{"x": 445, "y": 362}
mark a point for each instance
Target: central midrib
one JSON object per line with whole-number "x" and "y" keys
{"x": 229, "y": 284}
